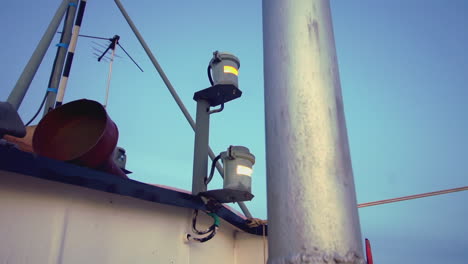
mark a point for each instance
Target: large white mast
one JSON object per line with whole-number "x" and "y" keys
{"x": 312, "y": 209}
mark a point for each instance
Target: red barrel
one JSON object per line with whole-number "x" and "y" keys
{"x": 79, "y": 132}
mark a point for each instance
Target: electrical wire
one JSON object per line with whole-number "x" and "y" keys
{"x": 213, "y": 166}
{"x": 410, "y": 197}
{"x": 208, "y": 70}
{"x": 254, "y": 222}
{"x": 194, "y": 225}
{"x": 215, "y": 59}
{"x": 203, "y": 239}
{"x": 211, "y": 230}
{"x": 39, "y": 109}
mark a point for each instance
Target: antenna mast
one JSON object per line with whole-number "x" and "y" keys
{"x": 22, "y": 85}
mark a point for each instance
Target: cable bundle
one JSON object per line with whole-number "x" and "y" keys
{"x": 211, "y": 230}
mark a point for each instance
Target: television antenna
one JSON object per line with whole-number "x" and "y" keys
{"x": 114, "y": 42}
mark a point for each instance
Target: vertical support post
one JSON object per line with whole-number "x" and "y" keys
{"x": 312, "y": 209}
{"x": 22, "y": 85}
{"x": 172, "y": 91}
{"x": 71, "y": 52}
{"x": 200, "y": 158}
{"x": 59, "y": 61}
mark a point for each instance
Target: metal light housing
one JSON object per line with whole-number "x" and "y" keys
{"x": 223, "y": 71}
{"x": 237, "y": 184}
{"x": 225, "y": 68}
{"x": 238, "y": 163}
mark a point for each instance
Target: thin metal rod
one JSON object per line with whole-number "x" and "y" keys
{"x": 109, "y": 76}
{"x": 156, "y": 64}
{"x": 243, "y": 207}
{"x": 98, "y": 50}
{"x": 93, "y": 37}
{"x": 22, "y": 85}
{"x": 70, "y": 54}
{"x": 60, "y": 56}
{"x": 312, "y": 208}
{"x": 411, "y": 197}
{"x": 104, "y": 53}
{"x": 100, "y": 45}
{"x": 130, "y": 57}
{"x": 172, "y": 91}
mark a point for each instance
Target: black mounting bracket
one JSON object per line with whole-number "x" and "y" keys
{"x": 218, "y": 94}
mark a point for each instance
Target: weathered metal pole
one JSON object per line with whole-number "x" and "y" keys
{"x": 19, "y": 91}
{"x": 312, "y": 209}
{"x": 70, "y": 54}
{"x": 200, "y": 157}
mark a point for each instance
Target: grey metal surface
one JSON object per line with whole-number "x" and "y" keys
{"x": 60, "y": 56}
{"x": 200, "y": 156}
{"x": 242, "y": 206}
{"x": 219, "y": 61}
{"x": 119, "y": 157}
{"x": 234, "y": 157}
{"x": 19, "y": 91}
{"x": 312, "y": 209}
{"x": 10, "y": 121}
{"x": 227, "y": 195}
{"x": 172, "y": 91}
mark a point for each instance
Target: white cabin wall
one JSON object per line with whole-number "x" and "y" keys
{"x": 49, "y": 222}
{"x": 250, "y": 250}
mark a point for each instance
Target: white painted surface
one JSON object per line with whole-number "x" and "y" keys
{"x": 49, "y": 222}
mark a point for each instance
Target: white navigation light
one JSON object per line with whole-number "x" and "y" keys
{"x": 230, "y": 69}
{"x": 224, "y": 68}
{"x": 244, "y": 170}
{"x": 237, "y": 184}
{"x": 238, "y": 163}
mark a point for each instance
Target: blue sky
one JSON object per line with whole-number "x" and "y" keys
{"x": 404, "y": 75}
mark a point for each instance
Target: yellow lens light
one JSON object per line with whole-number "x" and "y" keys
{"x": 230, "y": 69}
{"x": 244, "y": 170}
